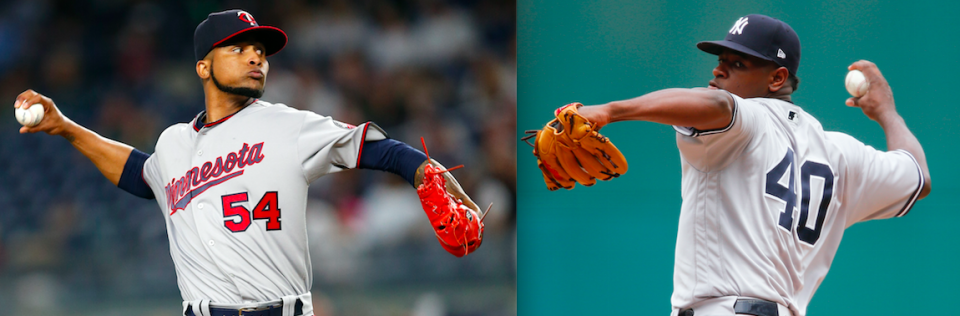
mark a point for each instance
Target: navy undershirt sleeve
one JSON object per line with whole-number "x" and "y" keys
{"x": 131, "y": 180}
{"x": 391, "y": 156}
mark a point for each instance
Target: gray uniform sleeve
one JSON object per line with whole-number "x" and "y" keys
{"x": 713, "y": 150}
{"x": 326, "y": 146}
{"x": 153, "y": 178}
{"x": 878, "y": 184}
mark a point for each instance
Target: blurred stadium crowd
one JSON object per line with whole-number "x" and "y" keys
{"x": 445, "y": 70}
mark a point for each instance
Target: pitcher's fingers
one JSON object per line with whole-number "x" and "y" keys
{"x": 34, "y": 99}
{"x": 869, "y": 70}
{"x": 862, "y": 65}
{"x": 30, "y": 129}
{"x": 852, "y": 102}
{"x": 24, "y": 96}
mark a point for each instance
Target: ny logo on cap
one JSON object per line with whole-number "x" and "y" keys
{"x": 738, "y": 27}
{"x": 247, "y": 17}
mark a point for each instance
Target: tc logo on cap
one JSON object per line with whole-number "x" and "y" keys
{"x": 246, "y": 17}
{"x": 738, "y": 27}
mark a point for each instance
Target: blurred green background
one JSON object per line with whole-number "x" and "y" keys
{"x": 608, "y": 249}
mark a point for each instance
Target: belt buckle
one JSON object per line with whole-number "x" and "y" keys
{"x": 256, "y": 309}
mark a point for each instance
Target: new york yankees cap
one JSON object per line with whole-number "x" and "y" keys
{"x": 222, "y": 26}
{"x": 763, "y": 37}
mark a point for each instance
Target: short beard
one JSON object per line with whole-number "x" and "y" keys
{"x": 241, "y": 91}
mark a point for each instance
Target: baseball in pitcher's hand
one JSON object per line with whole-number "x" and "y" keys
{"x": 53, "y": 123}
{"x": 878, "y": 101}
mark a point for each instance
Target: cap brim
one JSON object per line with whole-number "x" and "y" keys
{"x": 716, "y": 47}
{"x": 272, "y": 38}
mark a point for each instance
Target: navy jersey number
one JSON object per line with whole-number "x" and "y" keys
{"x": 788, "y": 194}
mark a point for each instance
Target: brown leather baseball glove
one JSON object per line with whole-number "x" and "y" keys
{"x": 569, "y": 150}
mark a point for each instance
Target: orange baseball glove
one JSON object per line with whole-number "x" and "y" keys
{"x": 569, "y": 151}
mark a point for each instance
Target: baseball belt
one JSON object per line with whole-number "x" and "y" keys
{"x": 273, "y": 310}
{"x": 747, "y": 306}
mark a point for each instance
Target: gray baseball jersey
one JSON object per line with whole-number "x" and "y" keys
{"x": 766, "y": 201}
{"x": 233, "y": 194}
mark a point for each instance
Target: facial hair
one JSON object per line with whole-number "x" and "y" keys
{"x": 241, "y": 91}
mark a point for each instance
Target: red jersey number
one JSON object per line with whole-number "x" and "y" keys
{"x": 268, "y": 208}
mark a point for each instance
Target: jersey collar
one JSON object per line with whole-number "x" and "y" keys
{"x": 202, "y": 116}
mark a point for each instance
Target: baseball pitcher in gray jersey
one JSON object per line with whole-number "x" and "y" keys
{"x": 767, "y": 193}
{"x": 232, "y": 183}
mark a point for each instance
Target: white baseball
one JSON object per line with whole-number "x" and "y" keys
{"x": 30, "y": 116}
{"x": 856, "y": 83}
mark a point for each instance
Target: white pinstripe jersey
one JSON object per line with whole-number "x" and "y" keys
{"x": 233, "y": 194}
{"x": 766, "y": 201}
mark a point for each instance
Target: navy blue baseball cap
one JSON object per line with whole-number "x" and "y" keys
{"x": 763, "y": 37}
{"x": 220, "y": 27}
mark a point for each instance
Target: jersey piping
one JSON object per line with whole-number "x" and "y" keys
{"x": 916, "y": 194}
{"x": 693, "y": 132}
{"x": 360, "y": 151}
{"x": 198, "y": 121}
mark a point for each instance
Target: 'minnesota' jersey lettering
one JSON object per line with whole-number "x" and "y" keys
{"x": 233, "y": 194}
